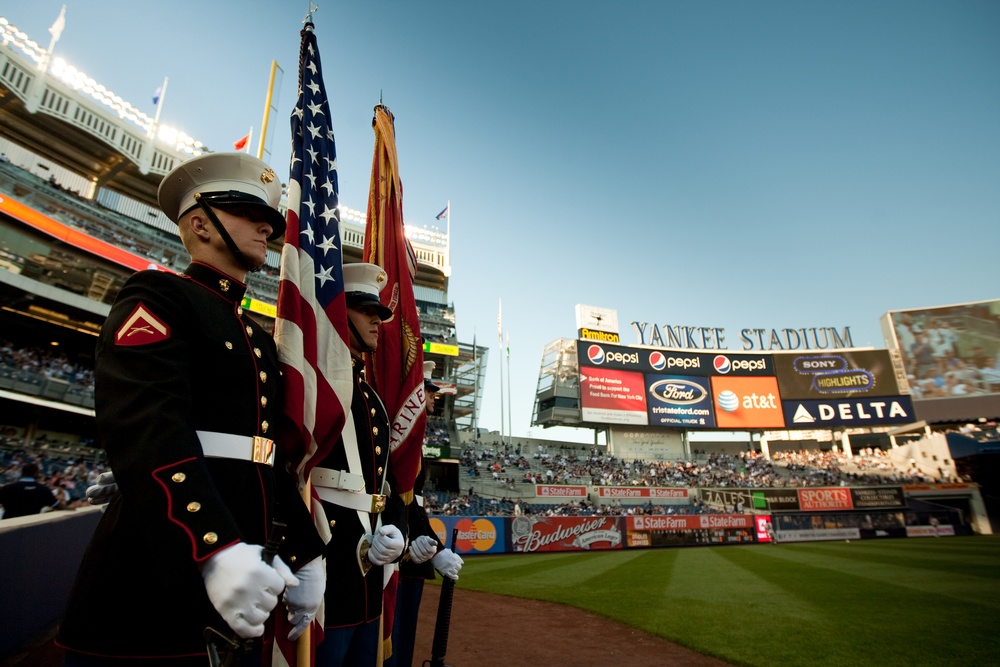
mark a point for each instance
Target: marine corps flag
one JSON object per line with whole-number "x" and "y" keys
{"x": 397, "y": 366}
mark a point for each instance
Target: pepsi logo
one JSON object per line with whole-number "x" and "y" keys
{"x": 596, "y": 354}
{"x": 722, "y": 364}
{"x": 657, "y": 361}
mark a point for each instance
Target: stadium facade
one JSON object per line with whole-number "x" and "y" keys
{"x": 79, "y": 173}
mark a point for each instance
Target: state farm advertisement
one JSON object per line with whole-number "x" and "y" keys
{"x": 683, "y": 530}
{"x": 560, "y": 491}
{"x": 565, "y": 533}
{"x": 612, "y": 396}
{"x": 641, "y": 492}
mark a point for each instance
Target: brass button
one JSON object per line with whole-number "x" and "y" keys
{"x": 380, "y": 470}
{"x": 333, "y": 522}
{"x": 210, "y": 538}
{"x": 249, "y": 330}
{"x": 373, "y": 412}
{"x": 224, "y": 285}
{"x": 256, "y": 351}
{"x": 194, "y": 507}
{"x": 284, "y": 537}
{"x": 378, "y": 450}
{"x": 239, "y": 310}
{"x": 374, "y": 430}
{"x": 263, "y": 426}
{"x": 263, "y": 376}
{"x": 263, "y": 401}
{"x": 292, "y": 559}
{"x": 178, "y": 477}
{"x": 229, "y": 345}
{"x": 366, "y": 394}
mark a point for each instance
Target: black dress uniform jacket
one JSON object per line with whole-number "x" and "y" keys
{"x": 419, "y": 524}
{"x": 351, "y": 598}
{"x": 205, "y": 366}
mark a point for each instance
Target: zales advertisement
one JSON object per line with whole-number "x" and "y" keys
{"x": 565, "y": 533}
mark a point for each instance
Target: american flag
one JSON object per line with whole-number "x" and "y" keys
{"x": 311, "y": 327}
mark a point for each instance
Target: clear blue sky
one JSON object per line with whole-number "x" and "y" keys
{"x": 727, "y": 164}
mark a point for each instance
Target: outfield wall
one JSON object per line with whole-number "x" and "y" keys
{"x": 540, "y": 534}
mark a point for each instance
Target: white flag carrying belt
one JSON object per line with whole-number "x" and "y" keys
{"x": 340, "y": 494}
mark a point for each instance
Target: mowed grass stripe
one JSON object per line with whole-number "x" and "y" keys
{"x": 883, "y": 603}
{"x": 920, "y": 574}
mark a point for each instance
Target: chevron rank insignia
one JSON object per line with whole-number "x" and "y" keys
{"x": 142, "y": 328}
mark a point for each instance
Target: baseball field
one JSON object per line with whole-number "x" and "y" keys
{"x": 879, "y": 602}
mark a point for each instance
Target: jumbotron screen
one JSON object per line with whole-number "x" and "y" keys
{"x": 680, "y": 389}
{"x": 951, "y": 355}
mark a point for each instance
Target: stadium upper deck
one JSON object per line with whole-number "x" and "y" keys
{"x": 79, "y": 175}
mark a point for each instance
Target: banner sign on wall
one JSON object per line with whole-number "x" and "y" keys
{"x": 560, "y": 491}
{"x": 684, "y": 390}
{"x": 565, "y": 533}
{"x": 849, "y": 412}
{"x": 631, "y": 492}
{"x": 476, "y": 535}
{"x": 843, "y": 374}
{"x": 658, "y": 531}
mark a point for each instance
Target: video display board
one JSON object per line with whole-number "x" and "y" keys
{"x": 740, "y": 391}
{"x": 951, "y": 357}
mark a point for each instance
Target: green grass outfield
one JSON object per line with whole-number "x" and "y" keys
{"x": 877, "y": 602}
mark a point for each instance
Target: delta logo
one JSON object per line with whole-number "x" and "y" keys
{"x": 744, "y": 402}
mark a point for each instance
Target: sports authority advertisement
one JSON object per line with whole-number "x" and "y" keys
{"x": 849, "y": 412}
{"x": 840, "y": 374}
{"x": 565, "y": 533}
{"x": 657, "y": 531}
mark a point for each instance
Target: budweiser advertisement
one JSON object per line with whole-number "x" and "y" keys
{"x": 565, "y": 533}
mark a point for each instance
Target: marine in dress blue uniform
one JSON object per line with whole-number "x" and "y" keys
{"x": 357, "y": 490}
{"x": 187, "y": 391}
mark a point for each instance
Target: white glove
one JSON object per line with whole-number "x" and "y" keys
{"x": 304, "y": 598}
{"x": 423, "y": 549}
{"x": 243, "y": 588}
{"x": 448, "y": 563}
{"x": 387, "y": 545}
{"x": 101, "y": 492}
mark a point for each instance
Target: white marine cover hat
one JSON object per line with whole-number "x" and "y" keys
{"x": 223, "y": 179}
{"x": 362, "y": 284}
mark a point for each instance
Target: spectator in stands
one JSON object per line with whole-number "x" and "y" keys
{"x": 27, "y": 495}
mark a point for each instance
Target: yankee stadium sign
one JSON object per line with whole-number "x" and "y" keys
{"x": 714, "y": 338}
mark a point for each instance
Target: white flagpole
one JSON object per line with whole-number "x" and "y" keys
{"x": 448, "y": 233}
{"x": 159, "y": 107}
{"x": 510, "y": 403}
{"x": 38, "y": 84}
{"x": 500, "y": 335}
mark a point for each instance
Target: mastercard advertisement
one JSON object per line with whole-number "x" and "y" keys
{"x": 476, "y": 535}
{"x": 747, "y": 402}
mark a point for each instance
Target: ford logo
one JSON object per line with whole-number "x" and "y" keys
{"x": 678, "y": 392}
